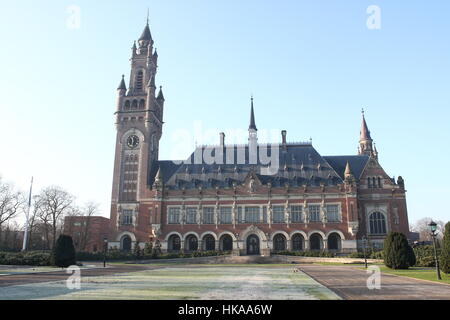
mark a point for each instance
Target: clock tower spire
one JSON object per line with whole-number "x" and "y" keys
{"x": 139, "y": 123}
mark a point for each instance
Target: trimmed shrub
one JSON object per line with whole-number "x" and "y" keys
{"x": 445, "y": 255}
{"x": 323, "y": 254}
{"x": 29, "y": 258}
{"x": 397, "y": 252}
{"x": 64, "y": 252}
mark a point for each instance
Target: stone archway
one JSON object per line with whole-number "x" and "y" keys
{"x": 316, "y": 242}
{"x": 226, "y": 243}
{"x": 279, "y": 242}
{"x": 253, "y": 247}
{"x": 126, "y": 243}
{"x": 174, "y": 243}
{"x": 191, "y": 243}
{"x": 334, "y": 241}
{"x": 209, "y": 243}
{"x": 298, "y": 242}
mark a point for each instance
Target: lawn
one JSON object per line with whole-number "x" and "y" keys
{"x": 249, "y": 282}
{"x": 418, "y": 273}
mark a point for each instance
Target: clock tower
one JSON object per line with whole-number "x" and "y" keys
{"x": 139, "y": 120}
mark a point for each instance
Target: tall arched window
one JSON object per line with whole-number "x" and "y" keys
{"x": 369, "y": 183}
{"x": 377, "y": 223}
{"x": 139, "y": 80}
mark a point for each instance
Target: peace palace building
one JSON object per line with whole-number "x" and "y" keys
{"x": 239, "y": 202}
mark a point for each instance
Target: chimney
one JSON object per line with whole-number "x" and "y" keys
{"x": 222, "y": 139}
{"x": 283, "y": 137}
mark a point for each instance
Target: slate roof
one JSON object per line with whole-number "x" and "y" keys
{"x": 299, "y": 164}
{"x": 146, "y": 35}
{"x": 357, "y": 164}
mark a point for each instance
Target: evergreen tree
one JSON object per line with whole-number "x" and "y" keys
{"x": 64, "y": 252}
{"x": 445, "y": 252}
{"x": 397, "y": 251}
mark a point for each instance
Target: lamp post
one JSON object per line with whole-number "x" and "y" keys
{"x": 105, "y": 249}
{"x": 364, "y": 239}
{"x": 433, "y": 231}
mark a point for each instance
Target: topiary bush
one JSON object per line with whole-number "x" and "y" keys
{"x": 445, "y": 254}
{"x": 397, "y": 251}
{"x": 64, "y": 252}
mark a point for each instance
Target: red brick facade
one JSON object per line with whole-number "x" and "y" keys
{"x": 88, "y": 233}
{"x": 310, "y": 203}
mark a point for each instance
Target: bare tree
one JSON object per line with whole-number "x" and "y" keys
{"x": 421, "y": 226}
{"x": 55, "y": 203}
{"x": 11, "y": 202}
{"x": 89, "y": 210}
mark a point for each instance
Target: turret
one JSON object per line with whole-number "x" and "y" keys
{"x": 365, "y": 140}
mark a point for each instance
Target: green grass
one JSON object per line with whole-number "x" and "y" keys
{"x": 418, "y": 273}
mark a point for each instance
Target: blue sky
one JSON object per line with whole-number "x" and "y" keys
{"x": 311, "y": 66}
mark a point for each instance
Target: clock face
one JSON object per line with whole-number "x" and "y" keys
{"x": 133, "y": 141}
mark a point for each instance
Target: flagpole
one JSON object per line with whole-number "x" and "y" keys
{"x": 27, "y": 216}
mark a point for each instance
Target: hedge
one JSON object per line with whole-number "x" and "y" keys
{"x": 29, "y": 258}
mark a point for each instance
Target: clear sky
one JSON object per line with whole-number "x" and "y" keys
{"x": 311, "y": 66}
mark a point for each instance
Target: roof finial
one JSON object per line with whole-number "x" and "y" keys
{"x": 252, "y": 117}
{"x": 362, "y": 111}
{"x": 148, "y": 14}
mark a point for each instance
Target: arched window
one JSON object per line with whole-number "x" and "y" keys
{"x": 379, "y": 183}
{"x": 315, "y": 242}
{"x": 279, "y": 242}
{"x": 127, "y": 105}
{"x": 139, "y": 80}
{"x": 142, "y": 104}
{"x": 369, "y": 183}
{"x": 334, "y": 242}
{"x": 377, "y": 223}
{"x": 174, "y": 243}
{"x": 192, "y": 243}
{"x": 297, "y": 242}
{"x": 374, "y": 183}
{"x": 209, "y": 243}
{"x": 134, "y": 105}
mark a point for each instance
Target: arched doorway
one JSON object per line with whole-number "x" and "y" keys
{"x": 297, "y": 242}
{"x": 315, "y": 242}
{"x": 334, "y": 242}
{"x": 209, "y": 243}
{"x": 226, "y": 243}
{"x": 174, "y": 243}
{"x": 126, "y": 243}
{"x": 191, "y": 243}
{"x": 253, "y": 245}
{"x": 279, "y": 243}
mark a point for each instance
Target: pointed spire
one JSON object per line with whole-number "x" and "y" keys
{"x": 155, "y": 54}
{"x": 252, "y": 118}
{"x": 160, "y": 94}
{"x": 365, "y": 133}
{"x": 122, "y": 85}
{"x": 348, "y": 170}
{"x": 146, "y": 34}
